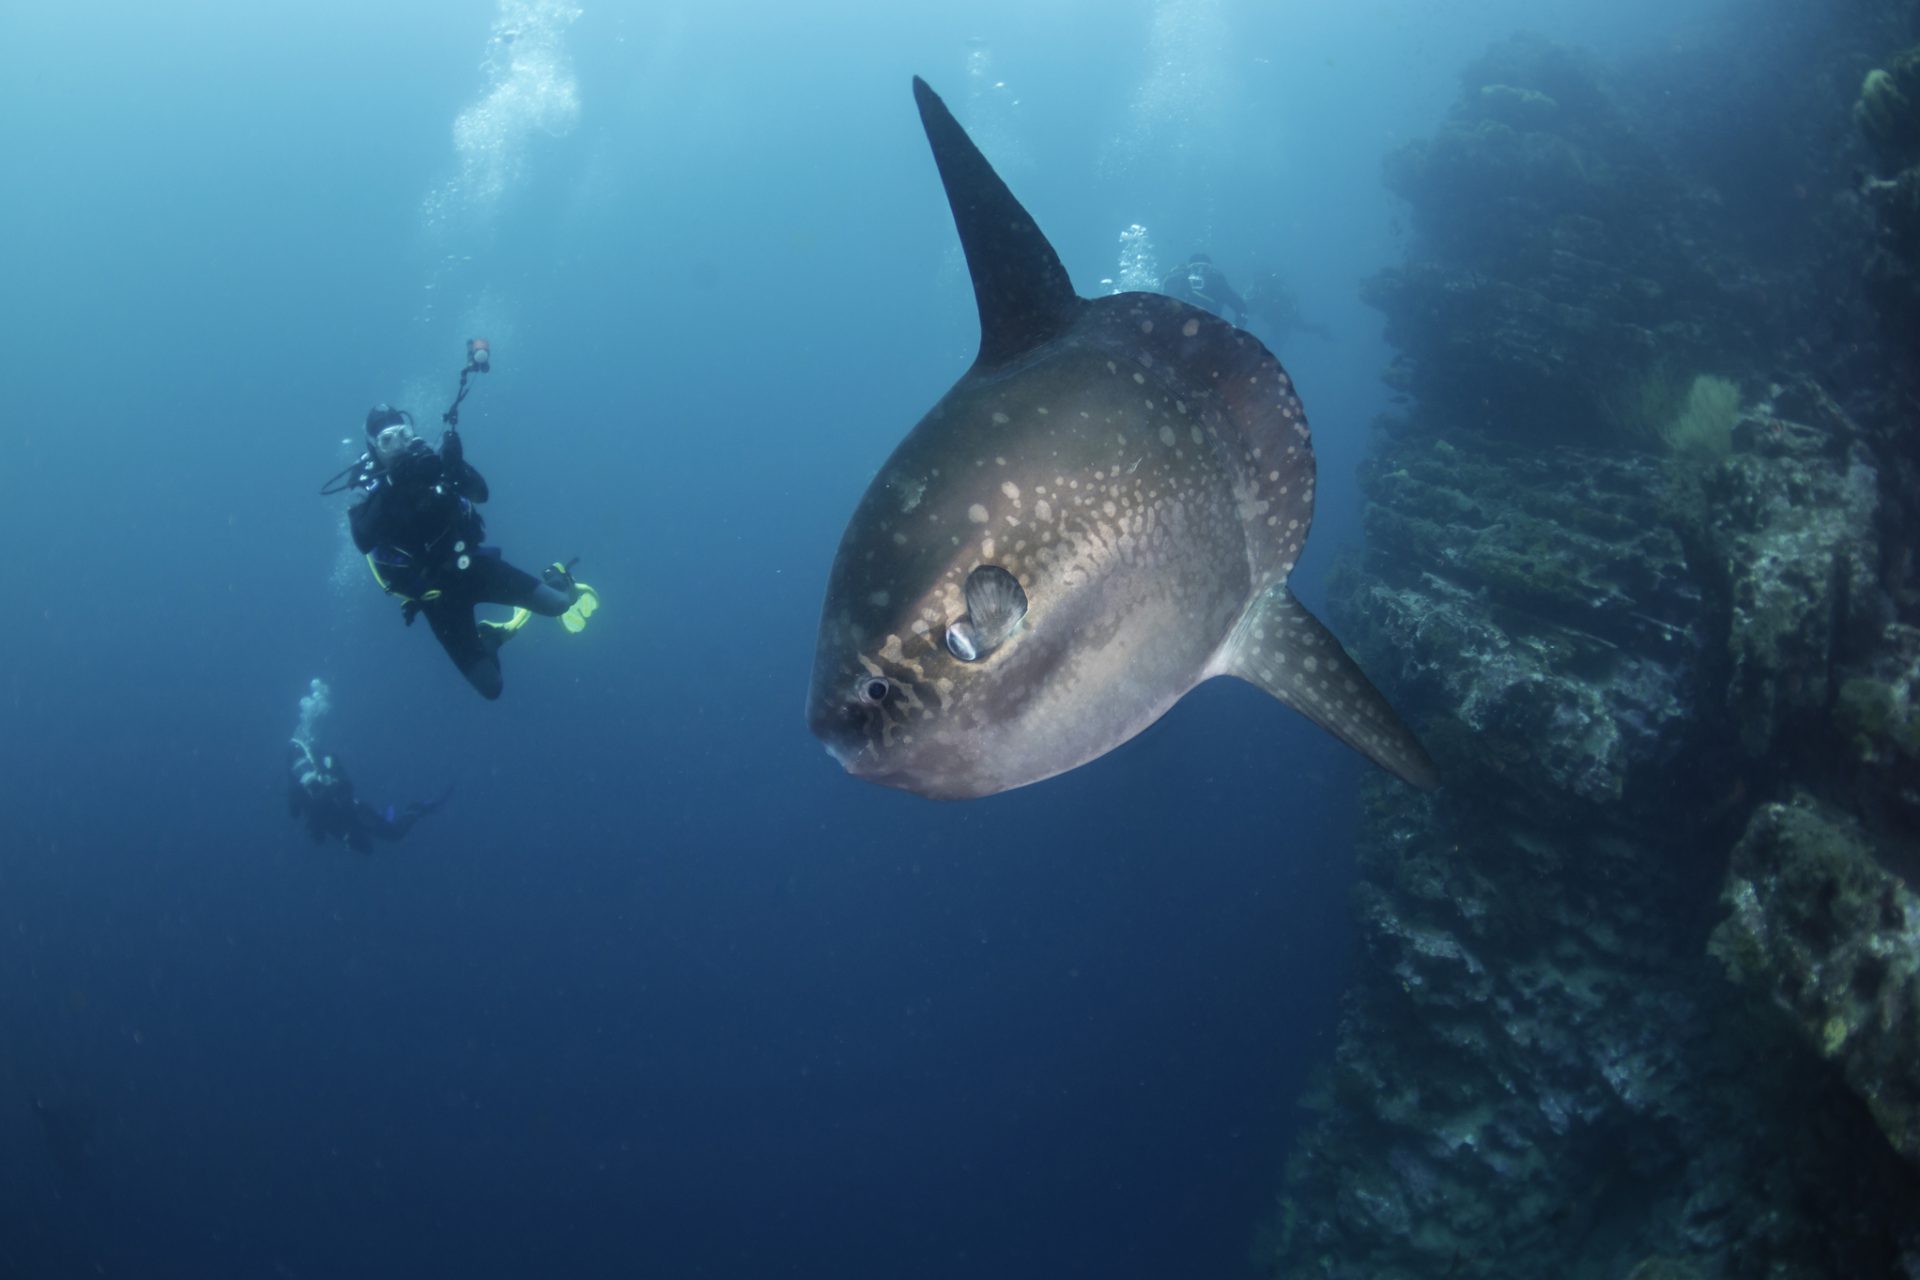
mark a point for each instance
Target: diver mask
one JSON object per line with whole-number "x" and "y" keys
{"x": 393, "y": 441}
{"x": 389, "y": 432}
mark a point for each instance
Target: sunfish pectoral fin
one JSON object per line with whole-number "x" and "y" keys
{"x": 1282, "y": 648}
{"x": 995, "y": 602}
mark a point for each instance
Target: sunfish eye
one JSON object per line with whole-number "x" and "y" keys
{"x": 873, "y": 690}
{"x": 963, "y": 642}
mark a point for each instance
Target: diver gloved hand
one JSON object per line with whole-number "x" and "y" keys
{"x": 409, "y": 610}
{"x": 560, "y": 576}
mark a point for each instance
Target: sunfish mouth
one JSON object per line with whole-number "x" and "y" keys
{"x": 841, "y": 734}
{"x": 857, "y": 757}
{"x": 848, "y": 755}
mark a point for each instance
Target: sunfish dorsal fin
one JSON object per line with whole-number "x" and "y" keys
{"x": 1023, "y": 293}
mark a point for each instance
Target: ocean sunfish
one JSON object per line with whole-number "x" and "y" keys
{"x": 1101, "y": 514}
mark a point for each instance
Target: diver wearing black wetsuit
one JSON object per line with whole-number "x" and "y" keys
{"x": 418, "y": 526}
{"x": 319, "y": 791}
{"x": 1204, "y": 285}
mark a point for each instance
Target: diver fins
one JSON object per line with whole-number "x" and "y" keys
{"x": 418, "y": 809}
{"x": 585, "y": 599}
{"x": 494, "y": 634}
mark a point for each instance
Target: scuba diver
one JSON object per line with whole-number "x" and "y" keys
{"x": 417, "y": 525}
{"x": 1204, "y": 285}
{"x": 319, "y": 790}
{"x": 1273, "y": 304}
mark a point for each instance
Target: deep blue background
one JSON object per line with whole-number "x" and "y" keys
{"x": 661, "y": 991}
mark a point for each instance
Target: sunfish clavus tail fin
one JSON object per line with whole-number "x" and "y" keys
{"x": 1280, "y": 647}
{"x": 1024, "y": 294}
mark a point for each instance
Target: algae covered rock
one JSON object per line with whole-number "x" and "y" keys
{"x": 1888, "y": 117}
{"x": 1888, "y": 110}
{"x": 1663, "y": 1269}
{"x": 1791, "y": 539}
{"x": 1639, "y": 561}
{"x": 1544, "y": 601}
{"x": 1834, "y": 939}
{"x": 1561, "y": 257}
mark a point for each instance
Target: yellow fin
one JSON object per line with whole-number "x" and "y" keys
{"x": 517, "y": 620}
{"x": 583, "y": 607}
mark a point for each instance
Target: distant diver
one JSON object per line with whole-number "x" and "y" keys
{"x": 1275, "y": 307}
{"x": 417, "y": 525}
{"x": 319, "y": 791}
{"x": 1199, "y": 282}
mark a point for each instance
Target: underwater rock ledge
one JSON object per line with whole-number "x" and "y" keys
{"x": 1637, "y": 995}
{"x": 1834, "y": 940}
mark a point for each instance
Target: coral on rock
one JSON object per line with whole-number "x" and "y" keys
{"x": 1834, "y": 938}
{"x": 1639, "y": 567}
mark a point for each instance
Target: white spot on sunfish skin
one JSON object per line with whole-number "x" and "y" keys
{"x": 1011, "y": 489}
{"x": 1044, "y": 510}
{"x": 1190, "y": 328}
{"x": 879, "y": 598}
{"x": 1001, "y": 418}
{"x": 977, "y": 513}
{"x": 1166, "y": 436}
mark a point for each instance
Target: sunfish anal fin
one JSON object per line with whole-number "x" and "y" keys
{"x": 1279, "y": 647}
{"x": 1024, "y": 294}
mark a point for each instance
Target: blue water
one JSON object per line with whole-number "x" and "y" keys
{"x": 661, "y": 992}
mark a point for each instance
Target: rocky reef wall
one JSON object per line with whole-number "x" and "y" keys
{"x": 1640, "y": 994}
